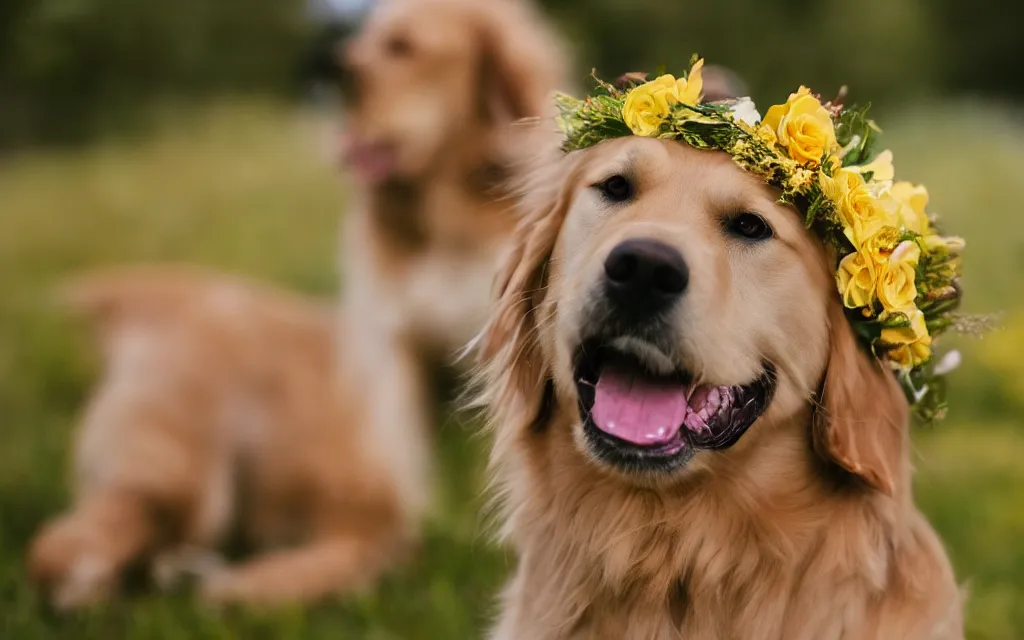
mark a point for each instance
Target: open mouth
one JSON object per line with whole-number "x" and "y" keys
{"x": 640, "y": 413}
{"x": 371, "y": 162}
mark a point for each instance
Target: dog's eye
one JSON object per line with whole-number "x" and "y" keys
{"x": 398, "y": 46}
{"x": 750, "y": 226}
{"x": 616, "y": 188}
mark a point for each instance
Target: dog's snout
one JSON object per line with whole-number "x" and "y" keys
{"x": 644, "y": 276}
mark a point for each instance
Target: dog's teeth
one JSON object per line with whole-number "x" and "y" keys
{"x": 714, "y": 400}
{"x": 695, "y": 423}
{"x": 726, "y": 398}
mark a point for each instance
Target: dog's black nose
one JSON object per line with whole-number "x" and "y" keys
{"x": 644, "y": 276}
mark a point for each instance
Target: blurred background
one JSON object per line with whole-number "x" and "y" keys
{"x": 203, "y": 131}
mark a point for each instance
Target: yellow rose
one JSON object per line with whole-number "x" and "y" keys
{"x": 856, "y": 279}
{"x": 895, "y": 285}
{"x": 862, "y": 209}
{"x": 803, "y": 126}
{"x": 647, "y": 105}
{"x": 910, "y": 346}
{"x": 913, "y": 200}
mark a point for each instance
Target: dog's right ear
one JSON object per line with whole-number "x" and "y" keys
{"x": 522, "y": 61}
{"x": 861, "y": 420}
{"x": 512, "y": 365}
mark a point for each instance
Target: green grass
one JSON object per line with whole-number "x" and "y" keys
{"x": 243, "y": 187}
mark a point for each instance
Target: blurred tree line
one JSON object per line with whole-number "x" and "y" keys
{"x": 70, "y": 68}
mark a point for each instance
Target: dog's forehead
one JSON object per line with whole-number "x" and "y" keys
{"x": 677, "y": 172}
{"x": 429, "y": 20}
{"x": 671, "y": 163}
{"x": 627, "y": 156}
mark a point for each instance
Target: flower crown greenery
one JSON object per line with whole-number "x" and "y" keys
{"x": 896, "y": 275}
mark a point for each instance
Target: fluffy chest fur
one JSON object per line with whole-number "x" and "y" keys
{"x": 712, "y": 559}
{"x": 422, "y": 264}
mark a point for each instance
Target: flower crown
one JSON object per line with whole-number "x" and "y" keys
{"x": 896, "y": 275}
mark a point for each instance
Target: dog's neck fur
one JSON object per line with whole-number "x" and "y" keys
{"x": 396, "y": 206}
{"x": 600, "y": 558}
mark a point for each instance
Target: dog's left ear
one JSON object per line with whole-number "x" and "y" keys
{"x": 522, "y": 62}
{"x": 862, "y": 418}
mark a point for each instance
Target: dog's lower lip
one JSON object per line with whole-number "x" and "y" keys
{"x": 726, "y": 421}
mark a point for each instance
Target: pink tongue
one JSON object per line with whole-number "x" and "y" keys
{"x": 636, "y": 409}
{"x": 371, "y": 163}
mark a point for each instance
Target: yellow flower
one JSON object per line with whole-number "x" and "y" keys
{"x": 856, "y": 279}
{"x": 803, "y": 126}
{"x": 895, "y": 286}
{"x": 647, "y": 105}
{"x": 917, "y": 329}
{"x": 862, "y": 209}
{"x": 690, "y": 87}
{"x": 911, "y": 355}
{"x": 914, "y": 199}
{"x": 881, "y": 168}
{"x": 910, "y": 346}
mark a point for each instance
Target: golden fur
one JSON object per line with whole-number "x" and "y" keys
{"x": 219, "y": 411}
{"x": 804, "y": 529}
{"x": 437, "y": 85}
{"x": 421, "y": 243}
{"x": 223, "y": 408}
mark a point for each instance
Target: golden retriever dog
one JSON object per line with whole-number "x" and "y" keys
{"x": 433, "y": 88}
{"x": 229, "y": 409}
{"x": 690, "y": 442}
{"x": 220, "y": 411}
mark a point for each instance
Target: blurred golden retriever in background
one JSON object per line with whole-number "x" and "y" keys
{"x": 219, "y": 410}
{"x": 432, "y": 87}
{"x": 226, "y": 406}
{"x": 689, "y": 440}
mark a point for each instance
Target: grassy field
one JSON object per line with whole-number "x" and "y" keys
{"x": 245, "y": 187}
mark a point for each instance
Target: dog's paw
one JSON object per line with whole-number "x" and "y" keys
{"x": 88, "y": 581}
{"x": 71, "y": 567}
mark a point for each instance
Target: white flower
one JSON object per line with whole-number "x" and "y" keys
{"x": 745, "y": 111}
{"x": 949, "y": 362}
